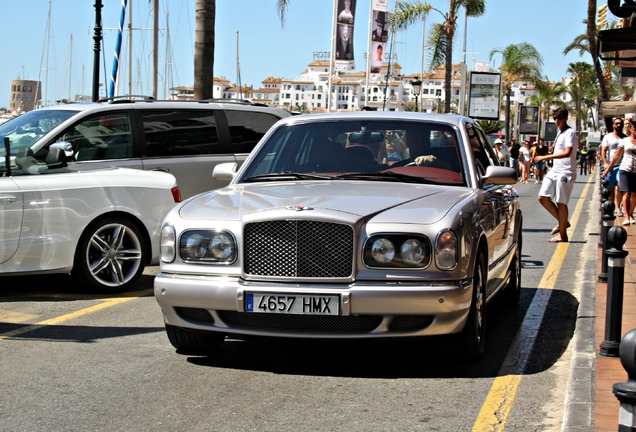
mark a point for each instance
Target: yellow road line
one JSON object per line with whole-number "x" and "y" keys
{"x": 86, "y": 311}
{"x": 501, "y": 397}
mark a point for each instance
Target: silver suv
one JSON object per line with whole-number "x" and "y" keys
{"x": 185, "y": 138}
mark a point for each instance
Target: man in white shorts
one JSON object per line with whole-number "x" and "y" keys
{"x": 559, "y": 181}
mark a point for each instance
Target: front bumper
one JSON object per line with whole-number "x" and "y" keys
{"x": 367, "y": 309}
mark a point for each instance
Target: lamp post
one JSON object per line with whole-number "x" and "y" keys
{"x": 416, "y": 84}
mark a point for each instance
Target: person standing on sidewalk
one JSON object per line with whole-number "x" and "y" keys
{"x": 626, "y": 154}
{"x": 539, "y": 167}
{"x": 558, "y": 183}
{"x": 591, "y": 159}
{"x": 524, "y": 161}
{"x": 609, "y": 147}
{"x": 583, "y": 160}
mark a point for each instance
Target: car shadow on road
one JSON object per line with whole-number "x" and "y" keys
{"x": 61, "y": 287}
{"x": 422, "y": 358}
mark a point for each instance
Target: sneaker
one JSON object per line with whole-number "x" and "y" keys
{"x": 626, "y": 222}
{"x": 536, "y": 181}
{"x": 632, "y": 221}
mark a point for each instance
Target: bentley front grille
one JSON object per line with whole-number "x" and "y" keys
{"x": 298, "y": 249}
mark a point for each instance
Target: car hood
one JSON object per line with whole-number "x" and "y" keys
{"x": 348, "y": 200}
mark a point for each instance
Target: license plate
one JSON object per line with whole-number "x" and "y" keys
{"x": 294, "y": 304}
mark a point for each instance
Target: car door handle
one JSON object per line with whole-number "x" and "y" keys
{"x": 8, "y": 199}
{"x": 161, "y": 169}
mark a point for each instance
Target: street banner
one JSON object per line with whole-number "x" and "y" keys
{"x": 550, "y": 132}
{"x": 344, "y": 35}
{"x": 484, "y": 94}
{"x": 378, "y": 34}
{"x": 529, "y": 120}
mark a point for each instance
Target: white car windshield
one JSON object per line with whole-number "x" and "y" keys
{"x": 372, "y": 150}
{"x": 25, "y": 130}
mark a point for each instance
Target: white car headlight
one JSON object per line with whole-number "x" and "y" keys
{"x": 397, "y": 251}
{"x": 167, "y": 244}
{"x": 415, "y": 252}
{"x": 383, "y": 251}
{"x": 208, "y": 246}
{"x": 446, "y": 250}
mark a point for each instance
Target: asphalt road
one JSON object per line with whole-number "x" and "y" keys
{"x": 76, "y": 362}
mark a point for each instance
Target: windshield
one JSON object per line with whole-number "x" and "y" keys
{"x": 25, "y": 130}
{"x": 427, "y": 151}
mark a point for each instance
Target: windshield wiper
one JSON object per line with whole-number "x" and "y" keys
{"x": 286, "y": 176}
{"x": 386, "y": 176}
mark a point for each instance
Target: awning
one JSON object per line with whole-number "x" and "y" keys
{"x": 619, "y": 39}
{"x": 617, "y": 108}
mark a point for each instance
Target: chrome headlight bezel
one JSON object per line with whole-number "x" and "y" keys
{"x": 208, "y": 246}
{"x": 397, "y": 251}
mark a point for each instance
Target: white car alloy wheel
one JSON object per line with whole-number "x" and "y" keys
{"x": 110, "y": 255}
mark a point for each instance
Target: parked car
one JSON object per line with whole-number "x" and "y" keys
{"x": 100, "y": 224}
{"x": 184, "y": 138}
{"x": 357, "y": 225}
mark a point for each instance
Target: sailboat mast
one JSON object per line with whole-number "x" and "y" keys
{"x": 130, "y": 29}
{"x": 155, "y": 48}
{"x": 238, "y": 68}
{"x": 48, "y": 41}
{"x": 70, "y": 66}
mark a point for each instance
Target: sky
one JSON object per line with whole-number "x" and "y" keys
{"x": 249, "y": 33}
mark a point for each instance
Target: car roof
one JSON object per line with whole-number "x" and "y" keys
{"x": 450, "y": 119}
{"x": 127, "y": 103}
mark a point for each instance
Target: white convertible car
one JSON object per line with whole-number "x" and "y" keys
{"x": 100, "y": 224}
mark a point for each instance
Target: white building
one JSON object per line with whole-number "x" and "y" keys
{"x": 309, "y": 92}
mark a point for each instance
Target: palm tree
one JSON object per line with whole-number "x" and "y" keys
{"x": 520, "y": 62}
{"x": 582, "y": 72}
{"x": 204, "y": 45}
{"x": 592, "y": 34}
{"x": 204, "y": 49}
{"x": 442, "y": 34}
{"x": 547, "y": 97}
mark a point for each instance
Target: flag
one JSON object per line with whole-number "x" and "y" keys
{"x": 378, "y": 34}
{"x": 344, "y": 59}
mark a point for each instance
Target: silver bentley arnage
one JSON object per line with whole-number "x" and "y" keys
{"x": 356, "y": 225}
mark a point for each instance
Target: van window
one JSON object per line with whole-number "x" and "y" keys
{"x": 180, "y": 133}
{"x": 104, "y": 136}
{"x": 247, "y": 128}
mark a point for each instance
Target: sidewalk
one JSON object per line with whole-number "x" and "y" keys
{"x": 609, "y": 370}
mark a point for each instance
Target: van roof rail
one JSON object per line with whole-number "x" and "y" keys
{"x": 126, "y": 98}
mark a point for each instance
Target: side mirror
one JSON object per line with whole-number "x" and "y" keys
{"x": 225, "y": 171}
{"x": 499, "y": 175}
{"x": 64, "y": 145}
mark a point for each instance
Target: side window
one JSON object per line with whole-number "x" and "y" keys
{"x": 247, "y": 128}
{"x": 104, "y": 136}
{"x": 180, "y": 133}
{"x": 483, "y": 153}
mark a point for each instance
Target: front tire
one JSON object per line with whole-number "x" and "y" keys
{"x": 189, "y": 342}
{"x": 472, "y": 340}
{"x": 512, "y": 291}
{"x": 110, "y": 256}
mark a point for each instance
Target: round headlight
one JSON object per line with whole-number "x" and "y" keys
{"x": 383, "y": 251}
{"x": 414, "y": 252}
{"x": 196, "y": 245}
{"x": 222, "y": 246}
